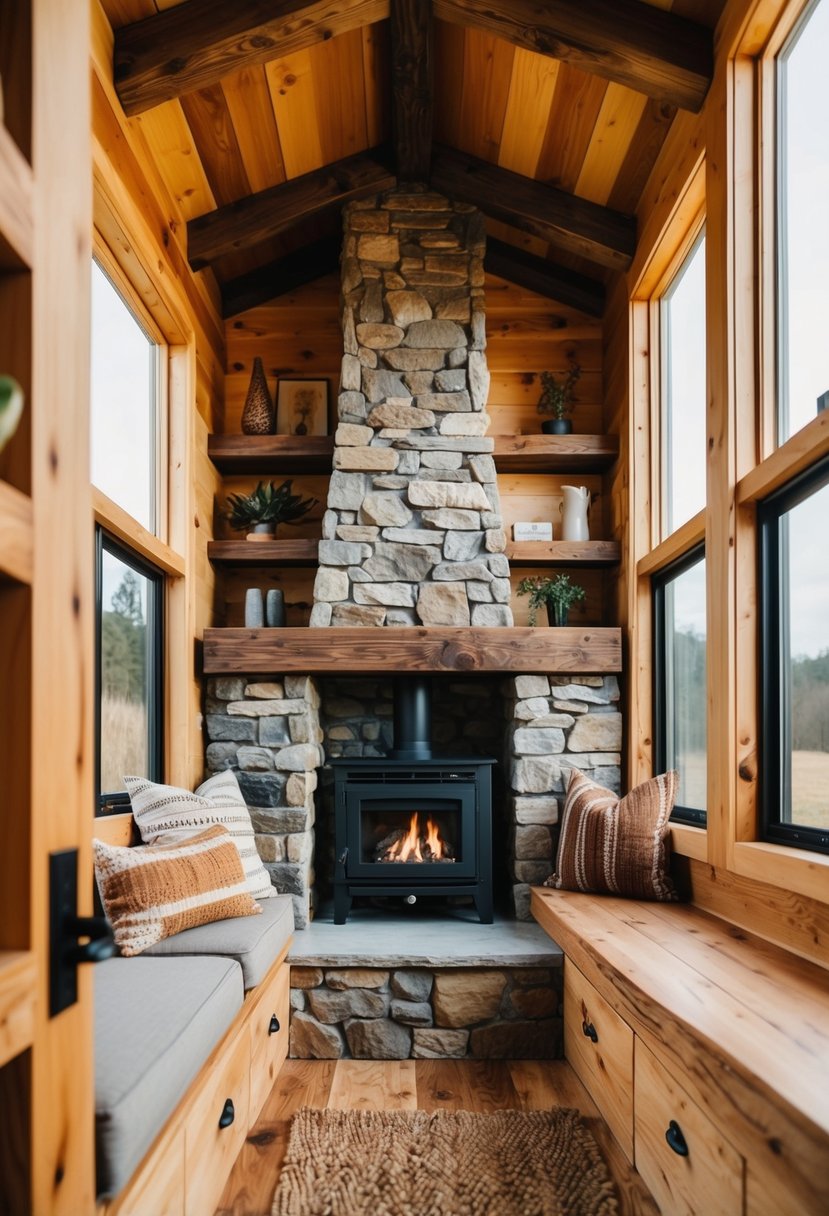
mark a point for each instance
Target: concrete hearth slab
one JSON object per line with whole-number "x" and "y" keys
{"x": 371, "y": 938}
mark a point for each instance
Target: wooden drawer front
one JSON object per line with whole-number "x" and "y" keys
{"x": 159, "y": 1185}
{"x": 210, "y": 1150}
{"x": 710, "y": 1178}
{"x": 599, "y": 1046}
{"x": 269, "y": 1046}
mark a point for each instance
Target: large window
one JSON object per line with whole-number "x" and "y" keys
{"x": 682, "y": 391}
{"x": 795, "y": 661}
{"x": 802, "y": 230}
{"x": 680, "y": 702}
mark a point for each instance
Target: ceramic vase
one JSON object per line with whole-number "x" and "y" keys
{"x": 574, "y": 510}
{"x": 254, "y": 609}
{"x": 275, "y": 609}
{"x": 258, "y": 416}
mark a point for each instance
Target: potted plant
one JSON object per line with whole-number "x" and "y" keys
{"x": 266, "y": 507}
{"x": 558, "y": 594}
{"x": 557, "y": 399}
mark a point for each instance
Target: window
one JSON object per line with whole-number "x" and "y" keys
{"x": 129, "y": 643}
{"x": 125, "y": 383}
{"x": 682, "y": 391}
{"x": 802, "y": 231}
{"x": 794, "y": 579}
{"x": 680, "y": 702}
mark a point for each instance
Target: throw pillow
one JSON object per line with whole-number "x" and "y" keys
{"x": 167, "y": 815}
{"x": 616, "y": 846}
{"x": 150, "y": 892}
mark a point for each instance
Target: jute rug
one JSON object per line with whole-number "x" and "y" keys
{"x": 411, "y": 1163}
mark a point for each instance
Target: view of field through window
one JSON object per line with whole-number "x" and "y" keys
{"x": 124, "y": 674}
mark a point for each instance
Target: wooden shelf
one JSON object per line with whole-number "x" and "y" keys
{"x": 591, "y": 553}
{"x": 267, "y": 454}
{"x": 16, "y": 212}
{"x": 18, "y": 985}
{"x": 555, "y": 453}
{"x": 16, "y": 544}
{"x": 263, "y": 553}
{"x": 589, "y": 650}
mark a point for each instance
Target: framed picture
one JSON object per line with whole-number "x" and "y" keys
{"x": 302, "y": 407}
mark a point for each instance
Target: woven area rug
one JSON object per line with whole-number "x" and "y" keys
{"x": 411, "y": 1163}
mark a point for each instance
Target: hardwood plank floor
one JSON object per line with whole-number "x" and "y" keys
{"x": 477, "y": 1085}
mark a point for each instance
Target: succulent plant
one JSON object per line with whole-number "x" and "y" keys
{"x": 268, "y": 504}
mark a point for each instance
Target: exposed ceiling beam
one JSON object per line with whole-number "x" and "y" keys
{"x": 596, "y": 233}
{"x": 647, "y": 48}
{"x": 536, "y": 274}
{"x": 193, "y": 45}
{"x": 294, "y": 270}
{"x": 411, "y": 82}
{"x": 260, "y": 216}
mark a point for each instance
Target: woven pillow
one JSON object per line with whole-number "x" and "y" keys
{"x": 153, "y": 891}
{"x": 167, "y": 815}
{"x": 616, "y": 846}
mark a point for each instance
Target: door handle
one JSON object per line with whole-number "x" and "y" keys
{"x": 66, "y": 927}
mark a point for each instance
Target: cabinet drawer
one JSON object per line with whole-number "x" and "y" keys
{"x": 599, "y": 1046}
{"x": 210, "y": 1150}
{"x": 158, "y": 1187}
{"x": 269, "y": 1036}
{"x": 708, "y": 1176}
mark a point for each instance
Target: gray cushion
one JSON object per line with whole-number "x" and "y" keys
{"x": 254, "y": 941}
{"x": 156, "y": 1021}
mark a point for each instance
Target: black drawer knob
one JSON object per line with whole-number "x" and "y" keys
{"x": 589, "y": 1031}
{"x": 228, "y": 1114}
{"x": 273, "y": 1025}
{"x": 676, "y": 1140}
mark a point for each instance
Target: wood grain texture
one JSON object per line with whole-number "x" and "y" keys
{"x": 16, "y": 219}
{"x": 544, "y": 277}
{"x": 635, "y": 44}
{"x": 279, "y": 277}
{"x": 16, "y": 539}
{"x": 554, "y": 453}
{"x": 271, "y": 453}
{"x": 192, "y": 46}
{"x": 412, "y": 72}
{"x": 263, "y": 553}
{"x": 18, "y": 982}
{"x": 531, "y": 91}
{"x": 432, "y": 649}
{"x": 565, "y": 553}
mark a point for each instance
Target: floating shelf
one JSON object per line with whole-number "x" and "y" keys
{"x": 564, "y": 553}
{"x": 263, "y": 553}
{"x": 16, "y": 543}
{"x": 18, "y": 985}
{"x": 555, "y": 453}
{"x": 435, "y": 649}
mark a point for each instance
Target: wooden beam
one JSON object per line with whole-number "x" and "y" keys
{"x": 260, "y": 216}
{"x": 646, "y": 48}
{"x": 433, "y": 649}
{"x": 537, "y": 274}
{"x": 597, "y": 233}
{"x": 193, "y": 45}
{"x": 412, "y": 81}
{"x": 294, "y": 270}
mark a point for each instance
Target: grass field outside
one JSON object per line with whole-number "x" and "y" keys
{"x": 123, "y": 742}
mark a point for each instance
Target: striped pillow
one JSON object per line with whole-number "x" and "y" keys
{"x": 153, "y": 891}
{"x": 616, "y": 846}
{"x": 168, "y": 815}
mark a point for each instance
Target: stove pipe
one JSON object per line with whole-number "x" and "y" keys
{"x": 412, "y": 718}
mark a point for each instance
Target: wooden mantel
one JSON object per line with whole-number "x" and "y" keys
{"x": 347, "y": 651}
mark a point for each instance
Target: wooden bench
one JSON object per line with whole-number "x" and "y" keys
{"x": 693, "y": 1037}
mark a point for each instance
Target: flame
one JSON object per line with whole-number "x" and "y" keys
{"x": 411, "y": 846}
{"x": 433, "y": 840}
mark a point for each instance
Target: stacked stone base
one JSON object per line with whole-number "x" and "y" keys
{"x": 401, "y": 1013}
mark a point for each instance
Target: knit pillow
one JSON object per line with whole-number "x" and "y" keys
{"x": 616, "y": 846}
{"x": 168, "y": 815}
{"x": 153, "y": 891}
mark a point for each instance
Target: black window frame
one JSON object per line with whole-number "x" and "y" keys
{"x": 694, "y": 816}
{"x": 775, "y": 699}
{"x": 111, "y": 803}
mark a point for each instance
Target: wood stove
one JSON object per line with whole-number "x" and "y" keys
{"x": 413, "y": 824}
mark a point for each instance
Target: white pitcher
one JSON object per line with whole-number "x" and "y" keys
{"x": 573, "y": 510}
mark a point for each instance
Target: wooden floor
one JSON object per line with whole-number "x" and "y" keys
{"x": 412, "y": 1085}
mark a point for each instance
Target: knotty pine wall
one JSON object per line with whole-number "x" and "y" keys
{"x": 298, "y": 335}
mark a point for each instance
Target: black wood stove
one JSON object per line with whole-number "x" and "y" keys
{"x": 413, "y": 824}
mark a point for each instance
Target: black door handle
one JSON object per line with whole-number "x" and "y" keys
{"x": 589, "y": 1031}
{"x": 676, "y": 1140}
{"x": 228, "y": 1114}
{"x": 274, "y": 1024}
{"x": 65, "y": 927}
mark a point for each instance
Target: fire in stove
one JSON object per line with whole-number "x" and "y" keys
{"x": 417, "y": 844}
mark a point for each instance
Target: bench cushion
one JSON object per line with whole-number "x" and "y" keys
{"x": 255, "y": 942}
{"x": 156, "y": 1022}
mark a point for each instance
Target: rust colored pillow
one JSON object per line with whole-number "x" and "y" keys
{"x": 616, "y": 846}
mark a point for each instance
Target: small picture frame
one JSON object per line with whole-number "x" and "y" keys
{"x": 302, "y": 407}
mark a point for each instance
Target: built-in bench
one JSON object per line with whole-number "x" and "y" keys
{"x": 706, "y": 1049}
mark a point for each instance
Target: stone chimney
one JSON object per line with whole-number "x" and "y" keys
{"x": 413, "y": 532}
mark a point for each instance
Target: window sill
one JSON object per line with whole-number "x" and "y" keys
{"x": 129, "y": 532}
{"x": 795, "y": 870}
{"x": 673, "y": 547}
{"x": 688, "y": 841}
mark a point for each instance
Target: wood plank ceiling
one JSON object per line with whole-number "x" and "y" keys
{"x": 342, "y": 97}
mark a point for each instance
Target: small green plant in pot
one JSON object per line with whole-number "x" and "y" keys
{"x": 557, "y": 594}
{"x": 259, "y": 513}
{"x": 557, "y": 399}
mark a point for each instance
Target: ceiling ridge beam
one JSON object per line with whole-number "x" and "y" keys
{"x": 256, "y": 218}
{"x": 193, "y": 45}
{"x": 412, "y": 84}
{"x": 546, "y": 278}
{"x": 277, "y": 278}
{"x": 576, "y": 225}
{"x": 648, "y": 49}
